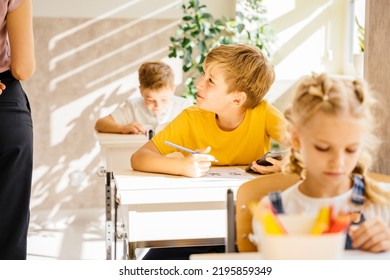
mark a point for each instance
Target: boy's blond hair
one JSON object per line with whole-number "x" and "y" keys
{"x": 155, "y": 75}
{"x": 245, "y": 69}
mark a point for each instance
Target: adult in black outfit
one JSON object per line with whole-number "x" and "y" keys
{"x": 17, "y": 62}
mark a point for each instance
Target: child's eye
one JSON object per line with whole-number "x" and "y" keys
{"x": 350, "y": 151}
{"x": 211, "y": 81}
{"x": 321, "y": 149}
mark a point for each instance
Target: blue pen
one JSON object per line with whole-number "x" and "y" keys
{"x": 180, "y": 147}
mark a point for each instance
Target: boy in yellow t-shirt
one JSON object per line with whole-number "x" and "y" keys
{"x": 231, "y": 123}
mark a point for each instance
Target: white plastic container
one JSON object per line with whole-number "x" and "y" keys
{"x": 298, "y": 243}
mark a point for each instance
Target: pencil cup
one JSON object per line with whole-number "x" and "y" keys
{"x": 298, "y": 243}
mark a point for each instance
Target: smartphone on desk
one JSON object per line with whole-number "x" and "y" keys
{"x": 279, "y": 155}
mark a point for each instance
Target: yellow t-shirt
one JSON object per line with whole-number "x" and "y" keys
{"x": 195, "y": 129}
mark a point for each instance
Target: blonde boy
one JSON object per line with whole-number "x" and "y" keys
{"x": 156, "y": 107}
{"x": 231, "y": 121}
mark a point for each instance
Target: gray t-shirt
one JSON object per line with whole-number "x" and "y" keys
{"x": 134, "y": 110}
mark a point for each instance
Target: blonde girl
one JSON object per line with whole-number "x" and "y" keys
{"x": 332, "y": 135}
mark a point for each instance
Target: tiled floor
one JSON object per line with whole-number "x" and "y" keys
{"x": 67, "y": 235}
{"x": 70, "y": 235}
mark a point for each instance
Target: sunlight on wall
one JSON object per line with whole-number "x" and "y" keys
{"x": 53, "y": 42}
{"x": 96, "y": 40}
{"x": 88, "y": 67}
{"x": 304, "y": 58}
{"x": 304, "y": 35}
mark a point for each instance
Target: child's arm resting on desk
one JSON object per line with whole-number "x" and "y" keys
{"x": 149, "y": 159}
{"x": 109, "y": 125}
{"x": 372, "y": 235}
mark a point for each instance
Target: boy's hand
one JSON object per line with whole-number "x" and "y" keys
{"x": 197, "y": 165}
{"x": 275, "y": 168}
{"x": 371, "y": 235}
{"x": 133, "y": 128}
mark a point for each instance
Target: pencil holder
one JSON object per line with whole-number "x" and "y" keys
{"x": 298, "y": 243}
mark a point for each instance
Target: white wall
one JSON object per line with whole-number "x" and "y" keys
{"x": 122, "y": 8}
{"x": 311, "y": 36}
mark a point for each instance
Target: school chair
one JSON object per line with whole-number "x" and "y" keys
{"x": 379, "y": 177}
{"x": 239, "y": 218}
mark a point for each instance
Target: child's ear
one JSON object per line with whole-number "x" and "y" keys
{"x": 239, "y": 98}
{"x": 295, "y": 143}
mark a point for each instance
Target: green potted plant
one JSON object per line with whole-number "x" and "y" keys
{"x": 199, "y": 32}
{"x": 358, "y": 58}
{"x": 360, "y": 35}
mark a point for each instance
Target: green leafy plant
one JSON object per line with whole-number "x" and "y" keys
{"x": 254, "y": 28}
{"x": 360, "y": 30}
{"x": 199, "y": 32}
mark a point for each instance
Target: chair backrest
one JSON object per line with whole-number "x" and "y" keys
{"x": 379, "y": 177}
{"x": 254, "y": 191}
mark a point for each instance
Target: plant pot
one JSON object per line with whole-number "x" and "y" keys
{"x": 358, "y": 63}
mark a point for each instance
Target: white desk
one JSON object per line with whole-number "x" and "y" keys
{"x": 117, "y": 150}
{"x": 161, "y": 210}
{"x": 348, "y": 255}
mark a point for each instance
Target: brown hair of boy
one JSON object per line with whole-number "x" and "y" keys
{"x": 155, "y": 75}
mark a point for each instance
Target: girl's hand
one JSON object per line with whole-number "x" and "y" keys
{"x": 2, "y": 87}
{"x": 197, "y": 165}
{"x": 372, "y": 235}
{"x": 275, "y": 168}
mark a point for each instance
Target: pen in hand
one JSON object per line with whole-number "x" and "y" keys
{"x": 180, "y": 147}
{"x": 183, "y": 148}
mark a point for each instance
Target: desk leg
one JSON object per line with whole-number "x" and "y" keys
{"x": 131, "y": 252}
{"x": 108, "y": 216}
{"x": 115, "y": 222}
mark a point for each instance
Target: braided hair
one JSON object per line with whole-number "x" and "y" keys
{"x": 336, "y": 96}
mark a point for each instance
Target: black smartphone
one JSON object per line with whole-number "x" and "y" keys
{"x": 262, "y": 161}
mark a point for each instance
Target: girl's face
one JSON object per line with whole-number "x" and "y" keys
{"x": 212, "y": 91}
{"x": 330, "y": 147}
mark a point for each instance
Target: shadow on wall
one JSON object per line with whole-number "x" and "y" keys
{"x": 85, "y": 69}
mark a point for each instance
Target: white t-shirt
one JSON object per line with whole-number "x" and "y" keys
{"x": 294, "y": 201}
{"x": 134, "y": 110}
